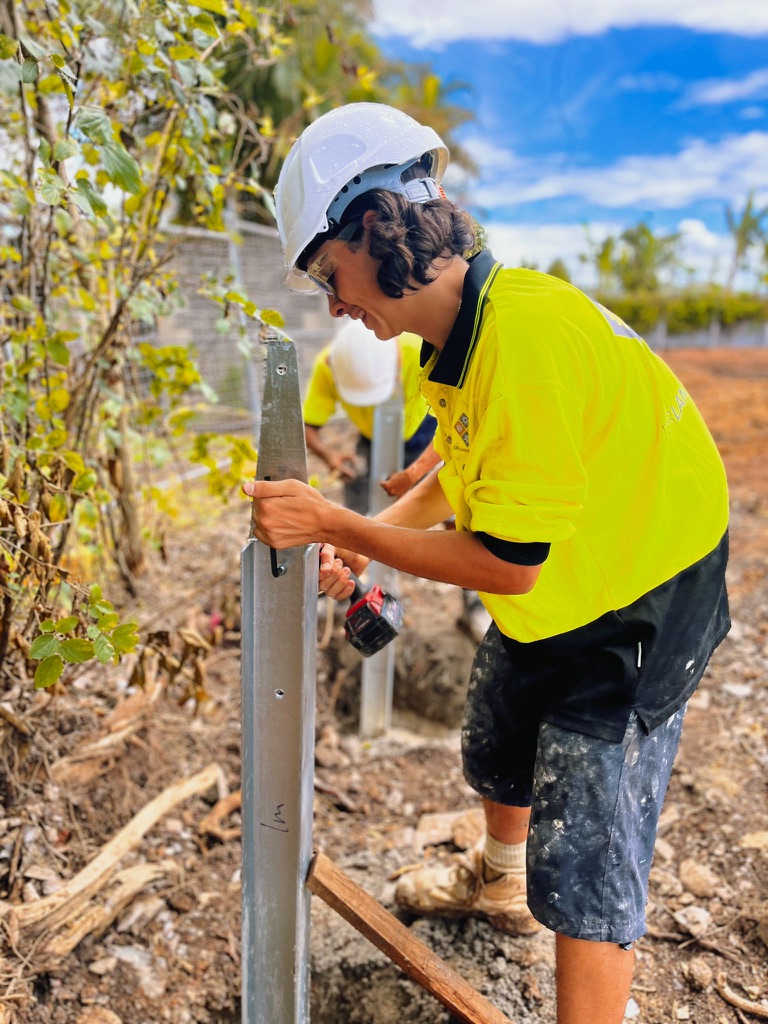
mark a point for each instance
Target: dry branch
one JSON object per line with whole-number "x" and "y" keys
{"x": 94, "y": 918}
{"x": 53, "y": 911}
{"x": 727, "y": 993}
{"x": 211, "y": 824}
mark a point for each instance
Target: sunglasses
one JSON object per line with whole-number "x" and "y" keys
{"x": 321, "y": 270}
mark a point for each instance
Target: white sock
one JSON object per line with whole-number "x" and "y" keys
{"x": 504, "y": 858}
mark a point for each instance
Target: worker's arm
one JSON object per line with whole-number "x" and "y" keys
{"x": 335, "y": 461}
{"x": 398, "y": 483}
{"x": 290, "y": 514}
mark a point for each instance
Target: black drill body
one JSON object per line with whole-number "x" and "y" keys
{"x": 373, "y": 620}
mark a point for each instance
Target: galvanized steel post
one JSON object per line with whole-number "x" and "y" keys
{"x": 378, "y": 673}
{"x": 279, "y": 614}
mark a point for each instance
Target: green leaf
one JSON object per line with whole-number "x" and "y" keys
{"x": 58, "y": 60}
{"x": 57, "y": 510}
{"x": 216, "y": 6}
{"x": 77, "y": 650}
{"x": 44, "y": 646}
{"x": 121, "y": 167}
{"x": 24, "y": 304}
{"x": 30, "y": 69}
{"x": 88, "y": 199}
{"x": 84, "y": 481}
{"x": 94, "y": 124}
{"x": 73, "y": 461}
{"x": 56, "y": 439}
{"x": 95, "y": 593}
{"x": 65, "y": 77}
{"x": 64, "y": 149}
{"x": 67, "y": 624}
{"x": 206, "y": 24}
{"x": 52, "y": 188}
{"x": 47, "y": 626}
{"x": 272, "y": 317}
{"x": 48, "y": 671}
{"x": 8, "y": 47}
{"x": 108, "y": 621}
{"x": 104, "y": 648}
{"x": 183, "y": 52}
{"x": 59, "y": 399}
{"x": 125, "y": 637}
{"x": 56, "y": 349}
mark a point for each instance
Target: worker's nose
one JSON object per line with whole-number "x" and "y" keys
{"x": 336, "y": 306}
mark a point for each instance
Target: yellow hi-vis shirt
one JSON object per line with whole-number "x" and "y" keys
{"x": 323, "y": 399}
{"x": 558, "y": 425}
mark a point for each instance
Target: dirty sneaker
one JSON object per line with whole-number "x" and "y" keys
{"x": 458, "y": 889}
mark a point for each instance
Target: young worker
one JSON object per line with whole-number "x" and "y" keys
{"x": 591, "y": 511}
{"x": 357, "y": 372}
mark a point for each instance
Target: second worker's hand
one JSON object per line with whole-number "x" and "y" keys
{"x": 333, "y": 577}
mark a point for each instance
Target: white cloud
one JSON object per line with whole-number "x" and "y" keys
{"x": 432, "y": 22}
{"x": 727, "y": 90}
{"x": 705, "y": 253}
{"x": 658, "y": 82}
{"x": 725, "y": 170}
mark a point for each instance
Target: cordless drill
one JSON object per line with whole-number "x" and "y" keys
{"x": 373, "y": 619}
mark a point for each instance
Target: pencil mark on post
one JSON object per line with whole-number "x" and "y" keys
{"x": 278, "y": 821}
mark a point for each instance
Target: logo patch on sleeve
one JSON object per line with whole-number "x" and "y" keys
{"x": 462, "y": 428}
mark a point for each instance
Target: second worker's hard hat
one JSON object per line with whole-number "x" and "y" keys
{"x": 364, "y": 367}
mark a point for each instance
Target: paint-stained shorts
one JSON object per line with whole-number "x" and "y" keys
{"x": 595, "y": 807}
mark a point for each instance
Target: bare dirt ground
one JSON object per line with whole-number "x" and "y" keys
{"x": 163, "y": 944}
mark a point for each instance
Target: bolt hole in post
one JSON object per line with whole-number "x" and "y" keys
{"x": 279, "y": 694}
{"x": 282, "y": 369}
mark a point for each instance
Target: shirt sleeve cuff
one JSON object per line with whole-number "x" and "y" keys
{"x": 532, "y": 553}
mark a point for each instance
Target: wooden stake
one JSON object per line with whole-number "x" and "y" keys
{"x": 399, "y": 944}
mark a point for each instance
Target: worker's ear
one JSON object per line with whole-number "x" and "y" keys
{"x": 369, "y": 219}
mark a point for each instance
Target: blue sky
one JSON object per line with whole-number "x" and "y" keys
{"x": 604, "y": 112}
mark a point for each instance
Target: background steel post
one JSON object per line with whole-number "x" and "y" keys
{"x": 279, "y": 638}
{"x": 378, "y": 673}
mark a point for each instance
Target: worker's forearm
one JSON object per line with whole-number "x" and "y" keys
{"x": 450, "y": 557}
{"x": 315, "y": 443}
{"x": 423, "y": 506}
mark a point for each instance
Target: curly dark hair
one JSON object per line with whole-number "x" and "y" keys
{"x": 410, "y": 239}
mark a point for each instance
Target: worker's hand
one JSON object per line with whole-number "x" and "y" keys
{"x": 398, "y": 483}
{"x": 333, "y": 578}
{"x": 344, "y": 465}
{"x": 288, "y": 513}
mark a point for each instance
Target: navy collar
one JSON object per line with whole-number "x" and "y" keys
{"x": 453, "y": 361}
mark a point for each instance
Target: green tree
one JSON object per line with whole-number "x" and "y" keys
{"x": 635, "y": 260}
{"x": 642, "y": 256}
{"x": 747, "y": 231}
{"x": 331, "y": 60}
{"x": 601, "y": 255}
{"x": 557, "y": 268}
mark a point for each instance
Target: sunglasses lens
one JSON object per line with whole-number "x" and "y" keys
{"x": 320, "y": 272}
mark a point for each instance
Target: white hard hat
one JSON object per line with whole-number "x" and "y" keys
{"x": 364, "y": 367}
{"x": 345, "y": 152}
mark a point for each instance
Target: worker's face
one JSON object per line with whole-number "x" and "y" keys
{"x": 356, "y": 290}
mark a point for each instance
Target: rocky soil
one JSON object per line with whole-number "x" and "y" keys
{"x": 79, "y": 765}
